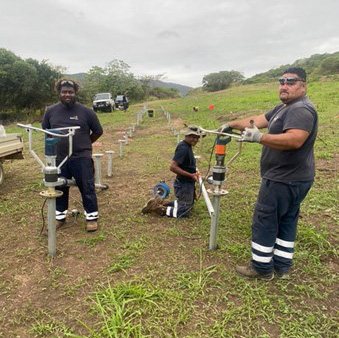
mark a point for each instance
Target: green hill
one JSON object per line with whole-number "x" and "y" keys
{"x": 316, "y": 66}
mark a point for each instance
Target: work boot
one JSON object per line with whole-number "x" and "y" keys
{"x": 282, "y": 275}
{"x": 59, "y": 224}
{"x": 151, "y": 205}
{"x": 91, "y": 226}
{"x": 160, "y": 210}
{"x": 250, "y": 272}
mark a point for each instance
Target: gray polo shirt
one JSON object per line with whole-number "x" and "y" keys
{"x": 291, "y": 165}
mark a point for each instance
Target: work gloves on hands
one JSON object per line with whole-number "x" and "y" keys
{"x": 252, "y": 134}
{"x": 225, "y": 128}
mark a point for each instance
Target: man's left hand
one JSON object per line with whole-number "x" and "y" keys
{"x": 252, "y": 134}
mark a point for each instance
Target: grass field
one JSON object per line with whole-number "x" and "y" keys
{"x": 146, "y": 276}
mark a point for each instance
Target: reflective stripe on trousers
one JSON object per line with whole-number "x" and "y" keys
{"x": 274, "y": 224}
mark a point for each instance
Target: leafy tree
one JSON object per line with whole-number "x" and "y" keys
{"x": 330, "y": 65}
{"x": 164, "y": 93}
{"x": 94, "y": 82}
{"x": 7, "y": 60}
{"x": 221, "y": 80}
{"x": 114, "y": 78}
{"x": 316, "y": 65}
{"x": 42, "y": 92}
{"x": 146, "y": 82}
{"x": 25, "y": 83}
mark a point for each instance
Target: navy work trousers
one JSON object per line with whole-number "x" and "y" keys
{"x": 184, "y": 193}
{"x": 82, "y": 169}
{"x": 274, "y": 224}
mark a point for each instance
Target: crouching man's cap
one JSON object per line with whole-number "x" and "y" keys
{"x": 194, "y": 130}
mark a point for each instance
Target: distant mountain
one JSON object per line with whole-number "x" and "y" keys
{"x": 183, "y": 90}
{"x": 79, "y": 77}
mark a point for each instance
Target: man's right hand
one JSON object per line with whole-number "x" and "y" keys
{"x": 195, "y": 176}
{"x": 225, "y": 128}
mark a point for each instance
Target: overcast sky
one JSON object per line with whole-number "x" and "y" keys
{"x": 183, "y": 39}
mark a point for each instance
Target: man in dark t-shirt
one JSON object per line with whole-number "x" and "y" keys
{"x": 287, "y": 171}
{"x": 67, "y": 113}
{"x": 184, "y": 166}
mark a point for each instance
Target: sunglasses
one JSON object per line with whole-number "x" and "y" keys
{"x": 290, "y": 81}
{"x": 67, "y": 83}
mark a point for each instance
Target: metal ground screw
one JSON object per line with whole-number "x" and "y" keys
{"x": 126, "y": 138}
{"x": 97, "y": 164}
{"x": 121, "y": 148}
{"x": 109, "y": 162}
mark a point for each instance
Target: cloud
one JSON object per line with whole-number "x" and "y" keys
{"x": 184, "y": 39}
{"x": 167, "y": 35}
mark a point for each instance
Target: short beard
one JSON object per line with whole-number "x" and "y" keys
{"x": 69, "y": 104}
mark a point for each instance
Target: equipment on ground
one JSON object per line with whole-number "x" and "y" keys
{"x": 161, "y": 189}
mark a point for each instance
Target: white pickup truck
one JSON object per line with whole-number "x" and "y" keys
{"x": 11, "y": 147}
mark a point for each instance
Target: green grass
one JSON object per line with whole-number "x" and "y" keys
{"x": 210, "y": 300}
{"x": 156, "y": 277}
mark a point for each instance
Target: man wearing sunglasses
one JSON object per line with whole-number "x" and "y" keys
{"x": 287, "y": 171}
{"x": 68, "y": 113}
{"x": 184, "y": 166}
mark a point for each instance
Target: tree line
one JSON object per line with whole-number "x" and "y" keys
{"x": 27, "y": 86}
{"x": 316, "y": 66}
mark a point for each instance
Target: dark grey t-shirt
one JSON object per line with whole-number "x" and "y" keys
{"x": 185, "y": 158}
{"x": 291, "y": 165}
{"x": 59, "y": 115}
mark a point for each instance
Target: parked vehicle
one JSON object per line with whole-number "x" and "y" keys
{"x": 103, "y": 102}
{"x": 121, "y": 102}
{"x": 11, "y": 147}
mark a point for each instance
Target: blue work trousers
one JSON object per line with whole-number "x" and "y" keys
{"x": 184, "y": 193}
{"x": 274, "y": 224}
{"x": 82, "y": 169}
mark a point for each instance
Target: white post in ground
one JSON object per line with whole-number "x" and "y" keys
{"x": 97, "y": 165}
{"x": 121, "y": 148}
{"x": 126, "y": 138}
{"x": 109, "y": 162}
{"x": 178, "y": 137}
{"x": 139, "y": 118}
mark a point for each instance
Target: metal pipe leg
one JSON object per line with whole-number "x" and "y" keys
{"x": 214, "y": 223}
{"x": 51, "y": 226}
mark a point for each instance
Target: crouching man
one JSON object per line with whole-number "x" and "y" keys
{"x": 183, "y": 165}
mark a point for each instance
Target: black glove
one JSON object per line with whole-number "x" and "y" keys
{"x": 225, "y": 128}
